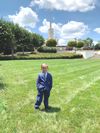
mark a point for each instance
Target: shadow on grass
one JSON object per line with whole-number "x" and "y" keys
{"x": 52, "y": 110}
{"x": 2, "y": 85}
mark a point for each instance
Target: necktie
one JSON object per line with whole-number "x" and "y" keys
{"x": 44, "y": 76}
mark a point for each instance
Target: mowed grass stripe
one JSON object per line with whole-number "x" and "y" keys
{"x": 83, "y": 111}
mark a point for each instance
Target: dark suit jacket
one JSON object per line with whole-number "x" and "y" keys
{"x": 44, "y": 84}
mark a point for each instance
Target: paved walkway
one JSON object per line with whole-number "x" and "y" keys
{"x": 96, "y": 56}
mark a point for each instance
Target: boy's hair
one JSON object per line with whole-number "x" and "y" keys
{"x": 44, "y": 65}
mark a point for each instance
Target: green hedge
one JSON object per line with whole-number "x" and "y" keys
{"x": 46, "y": 49}
{"x": 42, "y": 56}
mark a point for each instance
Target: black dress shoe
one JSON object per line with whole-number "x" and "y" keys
{"x": 47, "y": 108}
{"x": 37, "y": 108}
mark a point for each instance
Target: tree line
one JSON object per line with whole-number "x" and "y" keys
{"x": 14, "y": 38}
{"x": 85, "y": 44}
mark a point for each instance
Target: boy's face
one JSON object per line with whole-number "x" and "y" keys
{"x": 44, "y": 68}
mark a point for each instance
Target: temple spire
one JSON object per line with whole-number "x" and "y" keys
{"x": 50, "y": 32}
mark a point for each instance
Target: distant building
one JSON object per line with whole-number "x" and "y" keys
{"x": 50, "y": 32}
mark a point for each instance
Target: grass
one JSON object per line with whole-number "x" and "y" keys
{"x": 75, "y": 97}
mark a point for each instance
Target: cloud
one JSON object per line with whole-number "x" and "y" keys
{"x": 67, "y": 31}
{"x": 70, "y": 5}
{"x": 26, "y": 17}
{"x": 97, "y": 30}
{"x": 74, "y": 29}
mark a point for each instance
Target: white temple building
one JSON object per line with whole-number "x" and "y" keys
{"x": 50, "y": 32}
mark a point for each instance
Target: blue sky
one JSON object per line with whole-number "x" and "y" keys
{"x": 70, "y": 19}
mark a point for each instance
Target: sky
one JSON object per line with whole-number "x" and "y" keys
{"x": 70, "y": 18}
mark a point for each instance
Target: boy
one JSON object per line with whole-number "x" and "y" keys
{"x": 44, "y": 86}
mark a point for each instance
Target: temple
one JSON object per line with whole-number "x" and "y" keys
{"x": 50, "y": 32}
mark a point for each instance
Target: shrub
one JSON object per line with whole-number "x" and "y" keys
{"x": 51, "y": 43}
{"x": 27, "y": 56}
{"x": 46, "y": 49}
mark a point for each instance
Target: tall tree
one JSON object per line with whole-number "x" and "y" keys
{"x": 13, "y": 37}
{"x": 97, "y": 46}
{"x": 37, "y": 40}
{"x": 88, "y": 42}
{"x": 7, "y": 38}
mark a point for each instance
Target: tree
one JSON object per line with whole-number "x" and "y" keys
{"x": 51, "y": 43}
{"x": 25, "y": 40}
{"x": 15, "y": 38}
{"x": 88, "y": 42}
{"x": 12, "y": 27}
{"x": 37, "y": 40}
{"x": 80, "y": 44}
{"x": 7, "y": 38}
{"x": 72, "y": 44}
{"x": 97, "y": 46}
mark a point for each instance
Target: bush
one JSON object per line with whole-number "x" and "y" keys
{"x": 51, "y": 43}
{"x": 27, "y": 56}
{"x": 46, "y": 49}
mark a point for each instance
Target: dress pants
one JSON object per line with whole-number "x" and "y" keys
{"x": 41, "y": 94}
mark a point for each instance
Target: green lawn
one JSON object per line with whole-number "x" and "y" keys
{"x": 75, "y": 97}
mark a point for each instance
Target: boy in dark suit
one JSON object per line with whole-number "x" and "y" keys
{"x": 44, "y": 86}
